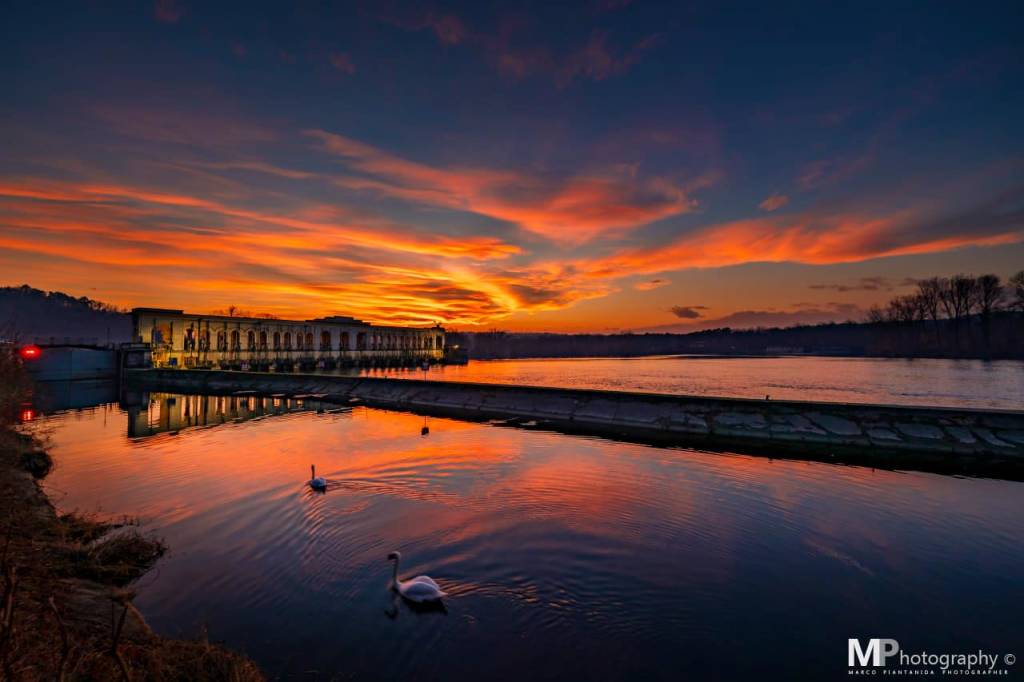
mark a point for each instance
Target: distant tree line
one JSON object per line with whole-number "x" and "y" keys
{"x": 955, "y": 315}
{"x": 961, "y": 316}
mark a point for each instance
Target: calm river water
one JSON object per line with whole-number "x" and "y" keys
{"x": 566, "y": 557}
{"x": 954, "y": 383}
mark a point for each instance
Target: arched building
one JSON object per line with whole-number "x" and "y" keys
{"x": 179, "y": 339}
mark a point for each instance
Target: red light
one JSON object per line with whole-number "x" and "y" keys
{"x": 30, "y": 352}
{"x": 28, "y": 415}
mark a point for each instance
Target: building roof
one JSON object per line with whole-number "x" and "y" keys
{"x": 331, "y": 319}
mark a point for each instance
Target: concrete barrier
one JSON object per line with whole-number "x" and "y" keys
{"x": 890, "y": 435}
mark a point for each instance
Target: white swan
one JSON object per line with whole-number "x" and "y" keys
{"x": 317, "y": 482}
{"x": 420, "y": 589}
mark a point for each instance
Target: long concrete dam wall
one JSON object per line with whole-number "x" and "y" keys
{"x": 884, "y": 434}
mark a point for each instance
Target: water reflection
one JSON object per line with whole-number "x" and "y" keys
{"x": 565, "y": 557}
{"x": 56, "y": 396}
{"x": 153, "y": 413}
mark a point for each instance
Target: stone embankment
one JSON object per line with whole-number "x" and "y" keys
{"x": 889, "y": 434}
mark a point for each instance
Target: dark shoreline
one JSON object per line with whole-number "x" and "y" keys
{"x": 66, "y": 583}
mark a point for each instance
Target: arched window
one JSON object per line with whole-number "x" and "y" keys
{"x": 309, "y": 340}
{"x": 277, "y": 340}
{"x": 222, "y": 341}
{"x": 298, "y": 341}
{"x": 361, "y": 341}
{"x": 287, "y": 340}
{"x": 263, "y": 340}
{"x": 325, "y": 340}
{"x": 236, "y": 343}
{"x": 439, "y": 342}
{"x": 204, "y": 340}
{"x": 344, "y": 341}
{"x": 251, "y": 340}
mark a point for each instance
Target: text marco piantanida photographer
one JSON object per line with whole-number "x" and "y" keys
{"x": 885, "y": 657}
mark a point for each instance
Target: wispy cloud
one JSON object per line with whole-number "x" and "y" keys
{"x": 168, "y": 11}
{"x": 515, "y": 52}
{"x": 648, "y": 285}
{"x": 866, "y": 284}
{"x": 830, "y": 171}
{"x": 822, "y": 237}
{"x": 342, "y": 62}
{"x": 576, "y": 208}
{"x": 774, "y": 202}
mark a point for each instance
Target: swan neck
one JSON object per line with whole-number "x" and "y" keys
{"x": 394, "y": 573}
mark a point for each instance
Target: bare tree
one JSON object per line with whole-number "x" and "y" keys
{"x": 929, "y": 292}
{"x": 875, "y": 315}
{"x": 905, "y": 309}
{"x": 959, "y": 297}
{"x": 1017, "y": 291}
{"x": 989, "y": 296}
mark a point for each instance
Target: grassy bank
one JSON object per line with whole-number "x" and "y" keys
{"x": 66, "y": 608}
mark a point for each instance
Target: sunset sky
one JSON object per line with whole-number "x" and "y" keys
{"x": 608, "y": 165}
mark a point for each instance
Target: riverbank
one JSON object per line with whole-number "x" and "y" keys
{"x": 66, "y": 608}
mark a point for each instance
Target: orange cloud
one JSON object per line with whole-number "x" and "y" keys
{"x": 298, "y": 232}
{"x": 820, "y": 239}
{"x": 574, "y": 209}
{"x": 304, "y": 264}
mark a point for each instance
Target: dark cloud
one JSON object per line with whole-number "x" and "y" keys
{"x": 748, "y": 319}
{"x": 651, "y": 284}
{"x": 687, "y": 312}
{"x": 867, "y": 284}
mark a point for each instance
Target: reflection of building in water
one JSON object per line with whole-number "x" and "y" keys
{"x": 55, "y": 396}
{"x": 178, "y": 339}
{"x": 164, "y": 412}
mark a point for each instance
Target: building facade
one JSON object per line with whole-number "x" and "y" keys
{"x": 179, "y": 339}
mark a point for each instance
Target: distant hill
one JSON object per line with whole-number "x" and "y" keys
{"x": 33, "y": 315}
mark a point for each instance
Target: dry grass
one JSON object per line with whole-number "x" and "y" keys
{"x": 65, "y": 612}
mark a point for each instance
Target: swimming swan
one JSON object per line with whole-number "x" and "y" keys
{"x": 317, "y": 482}
{"x": 420, "y": 589}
